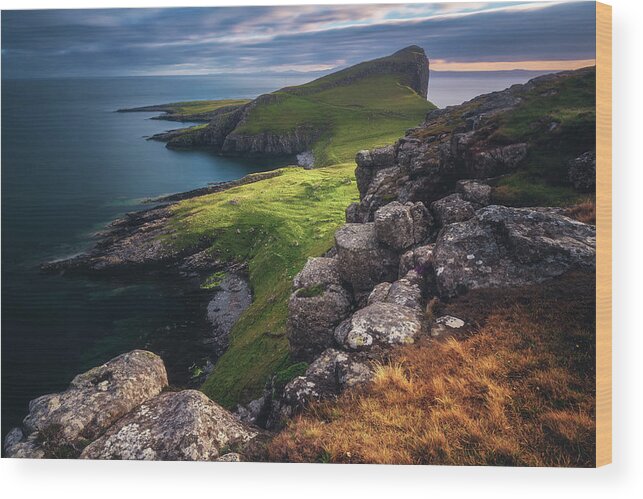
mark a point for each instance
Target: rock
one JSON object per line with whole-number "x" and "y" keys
{"x": 582, "y": 172}
{"x": 174, "y": 426}
{"x": 505, "y": 247}
{"x": 400, "y": 226}
{"x": 318, "y": 271}
{"x": 317, "y": 305}
{"x": 306, "y": 159}
{"x": 379, "y": 293}
{"x": 492, "y": 162}
{"x": 16, "y": 445}
{"x": 94, "y": 401}
{"x": 353, "y": 215}
{"x": 474, "y": 191}
{"x": 230, "y": 300}
{"x": 230, "y": 457}
{"x": 419, "y": 259}
{"x": 386, "y": 185}
{"x": 369, "y": 162}
{"x": 452, "y": 209}
{"x": 380, "y": 324}
{"x": 404, "y": 291}
{"x": 362, "y": 262}
{"x": 448, "y": 326}
{"x": 253, "y": 412}
{"x": 327, "y": 376}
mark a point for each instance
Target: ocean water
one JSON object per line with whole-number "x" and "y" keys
{"x": 70, "y": 164}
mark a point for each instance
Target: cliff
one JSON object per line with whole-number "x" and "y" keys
{"x": 320, "y": 116}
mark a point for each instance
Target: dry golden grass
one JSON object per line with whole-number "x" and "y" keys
{"x": 585, "y": 211}
{"x": 519, "y": 391}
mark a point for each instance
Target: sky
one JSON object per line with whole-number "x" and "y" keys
{"x": 307, "y": 39}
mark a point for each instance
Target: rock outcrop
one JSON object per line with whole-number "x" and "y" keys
{"x": 582, "y": 172}
{"x": 505, "y": 247}
{"x": 400, "y": 226}
{"x": 175, "y": 426}
{"x": 94, "y": 401}
{"x": 451, "y": 209}
{"x": 118, "y": 411}
{"x": 319, "y": 302}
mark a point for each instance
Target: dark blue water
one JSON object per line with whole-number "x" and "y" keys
{"x": 69, "y": 166}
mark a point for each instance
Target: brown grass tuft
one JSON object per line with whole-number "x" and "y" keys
{"x": 520, "y": 391}
{"x": 585, "y": 211}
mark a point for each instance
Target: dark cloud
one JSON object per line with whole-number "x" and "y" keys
{"x": 306, "y": 38}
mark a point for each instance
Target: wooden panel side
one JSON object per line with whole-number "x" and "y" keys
{"x": 604, "y": 234}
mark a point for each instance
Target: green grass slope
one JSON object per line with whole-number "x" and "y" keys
{"x": 559, "y": 123}
{"x": 274, "y": 224}
{"x": 365, "y": 114}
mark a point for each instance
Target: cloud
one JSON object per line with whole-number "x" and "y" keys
{"x": 308, "y": 38}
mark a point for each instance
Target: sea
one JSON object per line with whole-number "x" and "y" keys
{"x": 70, "y": 165}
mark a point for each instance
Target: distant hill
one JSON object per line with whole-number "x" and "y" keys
{"x": 363, "y": 106}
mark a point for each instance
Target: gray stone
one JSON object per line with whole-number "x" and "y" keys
{"x": 318, "y": 271}
{"x": 313, "y": 314}
{"x": 363, "y": 263}
{"x": 94, "y": 401}
{"x": 175, "y": 426}
{"x": 582, "y": 172}
{"x": 230, "y": 457}
{"x": 400, "y": 226}
{"x": 380, "y": 324}
{"x": 332, "y": 372}
{"x": 405, "y": 291}
{"x": 232, "y": 297}
{"x": 448, "y": 326}
{"x": 474, "y": 191}
{"x": 419, "y": 259}
{"x": 505, "y": 247}
{"x": 452, "y": 209}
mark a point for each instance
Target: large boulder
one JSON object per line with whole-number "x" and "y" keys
{"x": 582, "y": 172}
{"x": 175, "y": 426}
{"x": 503, "y": 246}
{"x": 96, "y": 399}
{"x": 400, "y": 226}
{"x": 362, "y": 261}
{"x": 452, "y": 209}
{"x": 319, "y": 302}
{"x": 380, "y": 324}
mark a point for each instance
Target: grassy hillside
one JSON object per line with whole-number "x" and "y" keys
{"x": 202, "y": 106}
{"x": 274, "y": 225}
{"x": 518, "y": 392}
{"x": 559, "y": 123}
{"x": 368, "y": 113}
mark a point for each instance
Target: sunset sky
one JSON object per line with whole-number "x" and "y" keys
{"x": 310, "y": 39}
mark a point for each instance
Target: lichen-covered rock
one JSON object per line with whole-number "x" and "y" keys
{"x": 503, "y": 246}
{"x": 16, "y": 445}
{"x": 327, "y": 376}
{"x": 313, "y": 314}
{"x": 230, "y": 457}
{"x": 582, "y": 172}
{"x": 474, "y": 191}
{"x": 94, "y": 401}
{"x": 452, "y": 209}
{"x": 496, "y": 161}
{"x": 353, "y": 215}
{"x": 363, "y": 262}
{"x": 400, "y": 226}
{"x": 380, "y": 324}
{"x": 174, "y": 426}
{"x": 447, "y": 326}
{"x": 318, "y": 271}
{"x": 384, "y": 187}
{"x": 317, "y": 305}
{"x": 405, "y": 291}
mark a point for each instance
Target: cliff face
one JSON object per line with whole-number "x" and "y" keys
{"x": 302, "y": 119}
